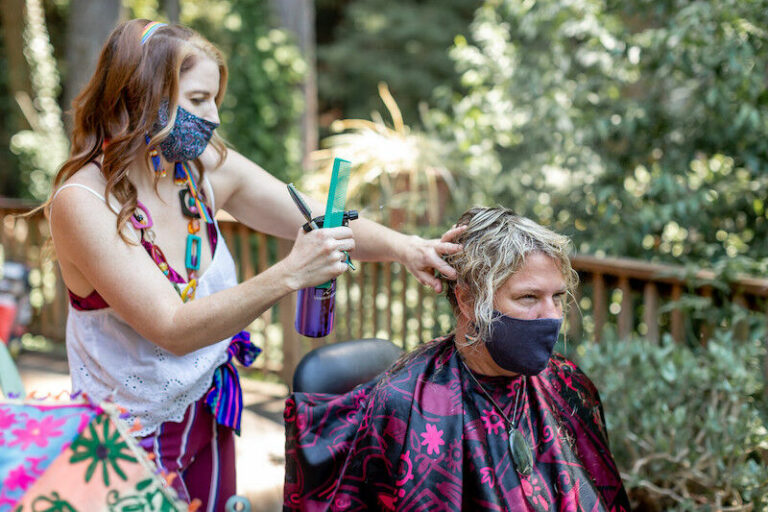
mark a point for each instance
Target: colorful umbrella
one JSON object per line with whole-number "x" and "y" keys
{"x": 73, "y": 455}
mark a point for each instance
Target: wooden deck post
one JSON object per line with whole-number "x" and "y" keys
{"x": 574, "y": 316}
{"x": 741, "y": 328}
{"x": 651, "y": 311}
{"x": 677, "y": 325}
{"x": 599, "y": 304}
{"x": 360, "y": 278}
{"x": 375, "y": 294}
{"x": 292, "y": 350}
{"x": 626, "y": 314}
{"x": 246, "y": 265}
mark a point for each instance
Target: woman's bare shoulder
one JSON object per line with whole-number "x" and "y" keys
{"x": 80, "y": 196}
{"x": 233, "y": 176}
{"x": 90, "y": 176}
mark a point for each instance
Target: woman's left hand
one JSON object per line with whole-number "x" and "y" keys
{"x": 424, "y": 257}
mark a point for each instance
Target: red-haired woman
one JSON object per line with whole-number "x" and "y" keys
{"x": 132, "y": 219}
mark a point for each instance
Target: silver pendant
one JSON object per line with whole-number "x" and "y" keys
{"x": 521, "y": 452}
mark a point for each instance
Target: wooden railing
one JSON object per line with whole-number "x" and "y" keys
{"x": 646, "y": 297}
{"x": 383, "y": 300}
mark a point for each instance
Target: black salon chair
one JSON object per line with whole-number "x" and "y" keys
{"x": 339, "y": 367}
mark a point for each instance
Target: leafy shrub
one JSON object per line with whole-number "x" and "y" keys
{"x": 635, "y": 126}
{"x": 261, "y": 110}
{"x": 687, "y": 427}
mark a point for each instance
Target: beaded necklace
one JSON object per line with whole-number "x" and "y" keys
{"x": 194, "y": 208}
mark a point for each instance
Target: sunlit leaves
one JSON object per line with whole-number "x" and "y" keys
{"x": 261, "y": 111}
{"x": 636, "y": 116}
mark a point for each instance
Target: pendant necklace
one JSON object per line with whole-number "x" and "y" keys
{"x": 518, "y": 446}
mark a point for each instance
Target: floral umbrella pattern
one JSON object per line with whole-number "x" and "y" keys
{"x": 106, "y": 450}
{"x": 31, "y": 437}
{"x": 66, "y": 457}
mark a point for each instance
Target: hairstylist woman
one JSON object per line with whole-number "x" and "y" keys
{"x": 156, "y": 312}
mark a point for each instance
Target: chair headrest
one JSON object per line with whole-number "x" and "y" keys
{"x": 339, "y": 367}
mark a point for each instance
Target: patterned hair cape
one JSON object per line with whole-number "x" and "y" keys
{"x": 426, "y": 438}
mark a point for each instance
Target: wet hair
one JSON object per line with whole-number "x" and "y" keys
{"x": 120, "y": 103}
{"x": 496, "y": 244}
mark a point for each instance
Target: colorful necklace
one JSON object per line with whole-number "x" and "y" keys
{"x": 194, "y": 208}
{"x": 518, "y": 446}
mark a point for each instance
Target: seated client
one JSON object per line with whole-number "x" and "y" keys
{"x": 485, "y": 418}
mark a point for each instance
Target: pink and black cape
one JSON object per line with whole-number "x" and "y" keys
{"x": 426, "y": 438}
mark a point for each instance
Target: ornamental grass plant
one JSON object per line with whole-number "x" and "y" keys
{"x": 401, "y": 176}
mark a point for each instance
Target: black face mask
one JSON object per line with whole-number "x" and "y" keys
{"x": 522, "y": 346}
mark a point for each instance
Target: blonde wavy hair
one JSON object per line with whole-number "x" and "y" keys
{"x": 496, "y": 244}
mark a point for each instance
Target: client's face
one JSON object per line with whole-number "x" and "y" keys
{"x": 537, "y": 290}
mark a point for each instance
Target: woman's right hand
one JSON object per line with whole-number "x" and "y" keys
{"x": 317, "y": 256}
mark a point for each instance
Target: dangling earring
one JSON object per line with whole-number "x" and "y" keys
{"x": 179, "y": 175}
{"x": 472, "y": 339}
{"x": 154, "y": 155}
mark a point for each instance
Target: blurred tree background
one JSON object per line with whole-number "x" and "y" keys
{"x": 643, "y": 121}
{"x": 401, "y": 42}
{"x": 637, "y": 127}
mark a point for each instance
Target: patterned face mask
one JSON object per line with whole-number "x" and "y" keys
{"x": 188, "y": 138}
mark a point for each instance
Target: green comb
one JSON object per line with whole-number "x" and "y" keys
{"x": 337, "y": 198}
{"x": 337, "y": 194}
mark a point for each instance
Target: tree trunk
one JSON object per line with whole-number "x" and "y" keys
{"x": 298, "y": 16}
{"x": 171, "y": 9}
{"x": 89, "y": 24}
{"x": 12, "y": 12}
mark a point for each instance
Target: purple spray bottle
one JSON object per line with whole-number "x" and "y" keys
{"x": 315, "y": 306}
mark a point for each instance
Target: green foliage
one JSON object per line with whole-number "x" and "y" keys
{"x": 687, "y": 427}
{"x": 10, "y": 180}
{"x": 401, "y": 42}
{"x": 637, "y": 127}
{"x": 261, "y": 111}
{"x": 44, "y": 147}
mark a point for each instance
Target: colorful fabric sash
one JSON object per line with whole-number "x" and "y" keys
{"x": 225, "y": 398}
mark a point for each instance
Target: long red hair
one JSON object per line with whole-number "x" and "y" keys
{"x": 119, "y": 105}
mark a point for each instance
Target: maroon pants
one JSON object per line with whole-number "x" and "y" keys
{"x": 201, "y": 452}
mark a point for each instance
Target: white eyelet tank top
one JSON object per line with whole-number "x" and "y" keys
{"x": 108, "y": 359}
